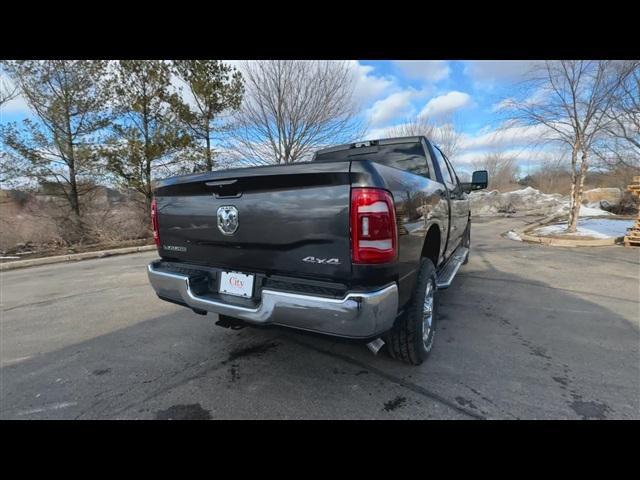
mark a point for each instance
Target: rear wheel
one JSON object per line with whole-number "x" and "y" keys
{"x": 411, "y": 338}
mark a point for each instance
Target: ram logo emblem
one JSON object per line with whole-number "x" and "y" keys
{"x": 228, "y": 219}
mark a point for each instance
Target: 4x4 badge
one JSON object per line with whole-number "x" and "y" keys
{"x": 325, "y": 261}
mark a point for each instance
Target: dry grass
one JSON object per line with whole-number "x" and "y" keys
{"x": 37, "y": 222}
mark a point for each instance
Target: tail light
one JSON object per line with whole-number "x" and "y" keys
{"x": 374, "y": 236}
{"x": 154, "y": 222}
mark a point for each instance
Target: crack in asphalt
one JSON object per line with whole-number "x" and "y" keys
{"x": 223, "y": 363}
{"x": 167, "y": 387}
{"x": 488, "y": 400}
{"x": 91, "y": 408}
{"x": 586, "y": 409}
{"x": 392, "y": 378}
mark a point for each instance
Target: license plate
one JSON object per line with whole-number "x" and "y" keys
{"x": 238, "y": 284}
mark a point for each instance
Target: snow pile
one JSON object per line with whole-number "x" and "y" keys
{"x": 602, "y": 197}
{"x": 589, "y": 227}
{"x": 585, "y": 211}
{"x": 528, "y": 201}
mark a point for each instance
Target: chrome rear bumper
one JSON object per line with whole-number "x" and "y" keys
{"x": 356, "y": 315}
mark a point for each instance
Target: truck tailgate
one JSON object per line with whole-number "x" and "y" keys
{"x": 284, "y": 214}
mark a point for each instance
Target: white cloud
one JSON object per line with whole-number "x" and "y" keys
{"x": 501, "y": 105}
{"x": 369, "y": 87}
{"x": 377, "y": 133}
{"x": 506, "y": 136}
{"x": 533, "y": 156}
{"x": 181, "y": 86}
{"x": 487, "y": 73}
{"x": 398, "y": 104}
{"x": 17, "y": 105}
{"x": 428, "y": 70}
{"x": 445, "y": 104}
{"x": 525, "y": 144}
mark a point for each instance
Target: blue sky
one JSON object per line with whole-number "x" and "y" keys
{"x": 469, "y": 92}
{"x": 391, "y": 92}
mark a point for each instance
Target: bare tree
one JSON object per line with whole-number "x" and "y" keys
{"x": 8, "y": 91}
{"x": 447, "y": 137}
{"x": 553, "y": 176}
{"x": 623, "y": 143}
{"x": 573, "y": 100}
{"x": 292, "y": 107}
{"x": 444, "y": 133}
{"x": 412, "y": 127}
{"x": 502, "y": 170}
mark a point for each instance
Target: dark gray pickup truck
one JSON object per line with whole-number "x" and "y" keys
{"x": 355, "y": 243}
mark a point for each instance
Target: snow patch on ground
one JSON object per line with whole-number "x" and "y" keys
{"x": 586, "y": 211}
{"x": 589, "y": 227}
{"x": 559, "y": 230}
{"x": 513, "y": 236}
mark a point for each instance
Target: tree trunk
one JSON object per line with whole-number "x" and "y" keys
{"x": 147, "y": 161}
{"x": 573, "y": 211}
{"x": 74, "y": 198}
{"x": 76, "y": 224}
{"x": 148, "y": 192}
{"x": 577, "y": 194}
{"x": 73, "y": 194}
{"x": 209, "y": 157}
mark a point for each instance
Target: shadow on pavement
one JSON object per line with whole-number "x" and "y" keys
{"x": 507, "y": 347}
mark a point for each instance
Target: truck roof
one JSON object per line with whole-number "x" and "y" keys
{"x": 369, "y": 143}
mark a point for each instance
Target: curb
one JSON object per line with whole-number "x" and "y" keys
{"x": 559, "y": 242}
{"x": 565, "y": 242}
{"x": 73, "y": 257}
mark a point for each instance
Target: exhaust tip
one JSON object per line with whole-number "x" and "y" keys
{"x": 375, "y": 345}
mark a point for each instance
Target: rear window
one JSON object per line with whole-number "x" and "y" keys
{"x": 405, "y": 156}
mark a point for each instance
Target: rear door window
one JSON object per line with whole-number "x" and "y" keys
{"x": 452, "y": 173}
{"x": 444, "y": 169}
{"x": 405, "y": 156}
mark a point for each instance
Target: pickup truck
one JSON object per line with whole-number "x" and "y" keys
{"x": 355, "y": 243}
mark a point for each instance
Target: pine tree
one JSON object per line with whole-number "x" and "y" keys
{"x": 69, "y": 99}
{"x": 146, "y": 137}
{"x": 214, "y": 89}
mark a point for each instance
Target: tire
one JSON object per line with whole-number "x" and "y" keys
{"x": 466, "y": 241}
{"x": 406, "y": 340}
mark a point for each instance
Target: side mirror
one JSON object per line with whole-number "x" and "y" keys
{"x": 479, "y": 180}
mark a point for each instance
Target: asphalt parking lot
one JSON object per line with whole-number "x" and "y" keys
{"x": 526, "y": 332}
